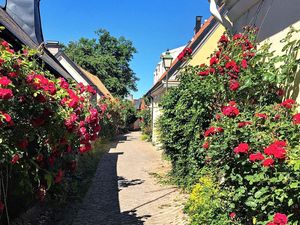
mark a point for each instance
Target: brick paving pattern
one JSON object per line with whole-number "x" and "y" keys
{"x": 124, "y": 191}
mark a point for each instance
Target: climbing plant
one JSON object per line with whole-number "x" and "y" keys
{"x": 211, "y": 103}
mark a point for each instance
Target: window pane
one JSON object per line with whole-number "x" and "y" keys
{"x": 2, "y": 3}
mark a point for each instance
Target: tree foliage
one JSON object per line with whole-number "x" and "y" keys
{"x": 108, "y": 58}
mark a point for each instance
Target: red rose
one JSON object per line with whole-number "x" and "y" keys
{"x": 91, "y": 90}
{"x": 234, "y": 85}
{"x": 4, "y": 81}
{"x": 59, "y": 176}
{"x": 261, "y": 115}
{"x": 63, "y": 83}
{"x": 82, "y": 131}
{"x": 23, "y": 144}
{"x": 206, "y": 145}
{"x": 15, "y": 159}
{"x": 276, "y": 149}
{"x": 5, "y": 44}
{"x": 232, "y": 215}
{"x": 218, "y": 116}
{"x": 5, "y": 93}
{"x": 244, "y": 63}
{"x": 288, "y": 103}
{"x": 232, "y": 103}
{"x": 243, "y": 124}
{"x": 230, "y": 111}
{"x": 12, "y": 74}
{"x": 41, "y": 98}
{"x": 37, "y": 122}
{"x": 296, "y": 118}
{"x": 280, "y": 219}
{"x": 213, "y": 130}
{"x": 268, "y": 162}
{"x": 213, "y": 61}
{"x": 231, "y": 64}
{"x": 85, "y": 147}
{"x": 188, "y": 51}
{"x": 256, "y": 157}
{"x": 7, "y": 118}
{"x": 238, "y": 36}
{"x": 280, "y": 92}
{"x": 41, "y": 193}
{"x": 39, "y": 158}
{"x": 277, "y": 117}
{"x": 51, "y": 160}
{"x": 223, "y": 39}
{"x": 241, "y": 148}
{"x": 180, "y": 57}
{"x": 97, "y": 128}
{"x": 204, "y": 73}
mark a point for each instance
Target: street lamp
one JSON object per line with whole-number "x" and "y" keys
{"x": 167, "y": 62}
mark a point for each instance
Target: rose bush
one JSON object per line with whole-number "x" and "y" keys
{"x": 254, "y": 163}
{"x": 146, "y": 123}
{"x": 237, "y": 70}
{"x": 120, "y": 115}
{"x": 45, "y": 123}
{"x": 229, "y": 116}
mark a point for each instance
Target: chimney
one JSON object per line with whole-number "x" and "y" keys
{"x": 198, "y": 24}
{"x": 26, "y": 13}
{"x": 53, "y": 47}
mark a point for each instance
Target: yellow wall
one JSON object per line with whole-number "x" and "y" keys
{"x": 207, "y": 48}
{"x": 293, "y": 91}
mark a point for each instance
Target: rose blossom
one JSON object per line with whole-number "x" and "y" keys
{"x": 276, "y": 149}
{"x": 213, "y": 61}
{"x": 15, "y": 158}
{"x": 213, "y": 130}
{"x": 296, "y": 118}
{"x": 280, "y": 219}
{"x": 206, "y": 145}
{"x": 59, "y": 176}
{"x": 234, "y": 85}
{"x": 268, "y": 162}
{"x": 232, "y": 215}
{"x": 243, "y": 124}
{"x": 4, "y": 81}
{"x": 230, "y": 111}
{"x": 5, "y": 93}
{"x": 261, "y": 115}
{"x": 244, "y": 63}
{"x": 241, "y": 148}
{"x": 256, "y": 157}
{"x": 288, "y": 103}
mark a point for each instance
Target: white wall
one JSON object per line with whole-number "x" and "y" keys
{"x": 77, "y": 77}
{"x": 159, "y": 69}
{"x": 272, "y": 17}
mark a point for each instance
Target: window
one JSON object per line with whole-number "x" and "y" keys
{"x": 2, "y": 3}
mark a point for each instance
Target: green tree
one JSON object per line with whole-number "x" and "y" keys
{"x": 108, "y": 58}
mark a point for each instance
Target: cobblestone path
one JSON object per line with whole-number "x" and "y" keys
{"x": 125, "y": 192}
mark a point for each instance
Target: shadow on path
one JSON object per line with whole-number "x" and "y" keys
{"x": 101, "y": 204}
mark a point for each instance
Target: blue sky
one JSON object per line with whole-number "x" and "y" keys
{"x": 153, "y": 26}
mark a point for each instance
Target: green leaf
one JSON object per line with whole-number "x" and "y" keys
{"x": 49, "y": 179}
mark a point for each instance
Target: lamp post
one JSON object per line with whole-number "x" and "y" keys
{"x": 167, "y": 62}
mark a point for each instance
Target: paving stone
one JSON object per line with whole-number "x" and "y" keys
{"x": 124, "y": 191}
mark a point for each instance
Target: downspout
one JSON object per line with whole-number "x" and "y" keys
{"x": 215, "y": 12}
